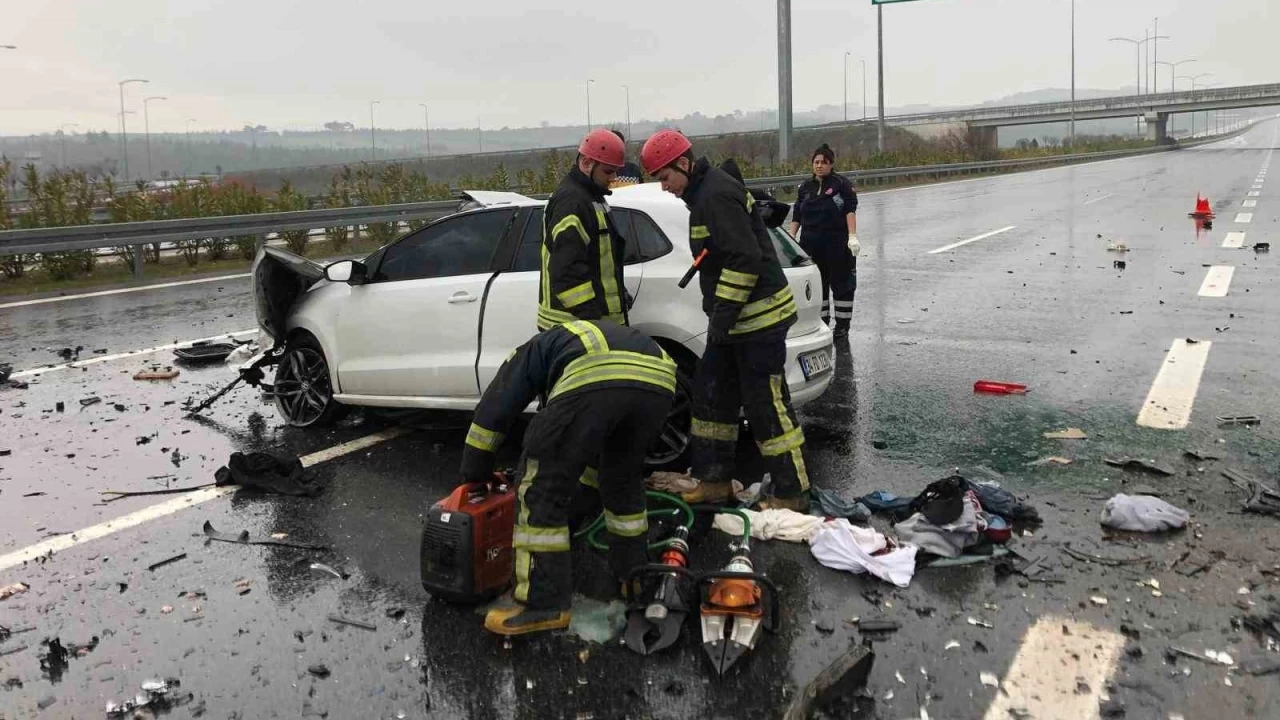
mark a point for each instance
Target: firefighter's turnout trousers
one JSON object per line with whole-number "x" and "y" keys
{"x": 585, "y": 443}
{"x": 749, "y": 376}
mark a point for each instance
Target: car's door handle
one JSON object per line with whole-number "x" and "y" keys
{"x": 462, "y": 296}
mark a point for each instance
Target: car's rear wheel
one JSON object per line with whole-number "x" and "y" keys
{"x": 671, "y": 449}
{"x": 303, "y": 392}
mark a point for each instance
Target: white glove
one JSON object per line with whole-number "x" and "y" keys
{"x": 854, "y": 247}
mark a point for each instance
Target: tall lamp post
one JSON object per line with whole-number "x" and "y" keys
{"x": 426, "y": 126}
{"x": 1073, "y": 75}
{"x": 1173, "y": 71}
{"x": 1137, "y": 47}
{"x": 63, "y": 137}
{"x": 190, "y": 153}
{"x": 124, "y": 131}
{"x": 846, "y": 85}
{"x": 588, "y": 85}
{"x": 373, "y": 131}
{"x": 628, "y": 89}
{"x": 864, "y": 88}
{"x": 146, "y": 123}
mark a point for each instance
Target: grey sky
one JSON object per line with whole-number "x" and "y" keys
{"x": 295, "y": 64}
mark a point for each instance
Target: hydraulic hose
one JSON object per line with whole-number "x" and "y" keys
{"x": 681, "y": 508}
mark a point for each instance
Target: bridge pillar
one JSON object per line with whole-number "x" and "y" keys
{"x": 1158, "y": 127}
{"x": 985, "y": 140}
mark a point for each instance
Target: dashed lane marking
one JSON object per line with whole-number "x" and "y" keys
{"x": 1254, "y": 193}
{"x": 1217, "y": 281}
{"x": 121, "y": 291}
{"x": 1244, "y": 218}
{"x": 132, "y": 353}
{"x": 1099, "y": 199}
{"x": 1249, "y": 203}
{"x": 1058, "y": 659}
{"x": 1173, "y": 393}
{"x": 983, "y": 236}
{"x": 182, "y": 502}
{"x": 1233, "y": 241}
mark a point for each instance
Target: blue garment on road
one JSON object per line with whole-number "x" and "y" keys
{"x": 882, "y": 501}
{"x": 825, "y": 503}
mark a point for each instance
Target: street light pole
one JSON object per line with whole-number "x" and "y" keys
{"x": 373, "y": 131}
{"x": 146, "y": 123}
{"x": 1155, "y": 57}
{"x": 426, "y": 127}
{"x": 880, "y": 70}
{"x": 588, "y": 84}
{"x": 864, "y": 88}
{"x": 63, "y": 134}
{"x": 1194, "y": 79}
{"x": 628, "y": 89}
{"x": 784, "y": 81}
{"x": 189, "y": 150}
{"x": 846, "y": 85}
{"x": 479, "y": 135}
{"x": 124, "y": 131}
{"x": 1173, "y": 69}
{"x": 1073, "y": 74}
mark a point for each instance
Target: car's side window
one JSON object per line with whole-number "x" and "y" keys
{"x": 529, "y": 253}
{"x": 649, "y": 240}
{"x": 622, "y": 223}
{"x": 462, "y": 245}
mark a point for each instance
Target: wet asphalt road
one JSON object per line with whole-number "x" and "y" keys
{"x": 1040, "y": 304}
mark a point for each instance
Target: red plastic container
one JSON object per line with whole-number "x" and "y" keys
{"x": 999, "y": 388}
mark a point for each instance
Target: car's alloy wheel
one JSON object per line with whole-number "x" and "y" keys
{"x": 672, "y": 444}
{"x": 303, "y": 393}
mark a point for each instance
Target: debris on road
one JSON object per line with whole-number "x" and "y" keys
{"x": 1200, "y": 455}
{"x": 1239, "y": 420}
{"x": 1052, "y": 459}
{"x": 155, "y": 566}
{"x": 1119, "y": 264}
{"x": 1142, "y": 513}
{"x": 268, "y": 473}
{"x": 319, "y": 670}
{"x": 1262, "y": 247}
{"x": 242, "y": 538}
{"x": 156, "y": 697}
{"x": 1098, "y": 600}
{"x": 34, "y": 494}
{"x": 9, "y": 591}
{"x": 980, "y": 623}
{"x": 1264, "y": 625}
{"x": 836, "y": 686}
{"x": 242, "y": 586}
{"x": 166, "y": 374}
{"x": 1118, "y": 246}
{"x": 989, "y": 679}
{"x": 1100, "y": 560}
{"x": 204, "y": 353}
{"x": 321, "y": 567}
{"x": 1137, "y": 465}
{"x": 121, "y": 494}
{"x": 353, "y": 623}
{"x": 91, "y": 400}
{"x": 996, "y": 387}
{"x": 884, "y": 627}
{"x": 1067, "y": 434}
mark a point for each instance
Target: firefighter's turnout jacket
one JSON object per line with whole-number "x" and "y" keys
{"x": 581, "y": 257}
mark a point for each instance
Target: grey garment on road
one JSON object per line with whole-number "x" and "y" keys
{"x": 1142, "y": 513}
{"x": 948, "y": 540}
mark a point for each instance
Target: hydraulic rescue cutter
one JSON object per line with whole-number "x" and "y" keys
{"x": 654, "y": 622}
{"x": 737, "y": 603}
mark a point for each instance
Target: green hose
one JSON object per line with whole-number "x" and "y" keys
{"x": 681, "y": 507}
{"x": 746, "y": 519}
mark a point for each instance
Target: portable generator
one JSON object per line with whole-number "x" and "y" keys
{"x": 466, "y": 542}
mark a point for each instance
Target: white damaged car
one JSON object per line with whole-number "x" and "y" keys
{"x": 426, "y": 321}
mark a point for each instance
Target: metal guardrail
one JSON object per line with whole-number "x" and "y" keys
{"x": 84, "y": 237}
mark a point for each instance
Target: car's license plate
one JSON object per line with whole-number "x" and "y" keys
{"x": 815, "y": 363}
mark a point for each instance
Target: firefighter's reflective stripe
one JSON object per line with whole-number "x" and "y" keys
{"x": 699, "y": 232}
{"x": 797, "y": 452}
{"x": 542, "y": 539}
{"x": 765, "y": 313}
{"x": 626, "y": 525}
{"x": 592, "y": 339}
{"x": 844, "y": 309}
{"x": 784, "y": 443}
{"x": 731, "y": 293}
{"x": 550, "y": 317}
{"x": 751, "y": 201}
{"x": 590, "y": 478}
{"x": 524, "y": 562}
{"x": 577, "y": 295}
{"x": 741, "y": 279}
{"x": 613, "y": 300}
{"x": 724, "y": 432}
{"x": 482, "y": 438}
{"x": 568, "y": 222}
{"x": 614, "y": 366}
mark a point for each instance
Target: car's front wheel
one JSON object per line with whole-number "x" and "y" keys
{"x": 303, "y": 392}
{"x": 671, "y": 449}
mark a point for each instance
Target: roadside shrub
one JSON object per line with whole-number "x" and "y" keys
{"x": 288, "y": 200}
{"x": 13, "y": 266}
{"x": 61, "y": 199}
{"x": 234, "y": 198}
{"x": 339, "y": 196}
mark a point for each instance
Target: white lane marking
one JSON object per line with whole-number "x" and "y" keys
{"x": 64, "y": 542}
{"x": 1254, "y": 193}
{"x": 1257, "y": 186}
{"x": 140, "y": 288}
{"x": 1249, "y": 203}
{"x": 1244, "y": 218}
{"x": 1217, "y": 281}
{"x": 1233, "y": 240}
{"x": 1173, "y": 393}
{"x": 1099, "y": 199}
{"x": 132, "y": 353}
{"x": 1056, "y": 655}
{"x": 983, "y": 236}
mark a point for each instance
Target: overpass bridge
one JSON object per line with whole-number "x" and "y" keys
{"x": 1155, "y": 108}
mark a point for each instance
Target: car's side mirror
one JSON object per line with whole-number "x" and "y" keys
{"x": 351, "y": 272}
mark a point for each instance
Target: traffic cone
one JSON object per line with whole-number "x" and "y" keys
{"x": 1202, "y": 208}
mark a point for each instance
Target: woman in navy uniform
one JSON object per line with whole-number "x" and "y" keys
{"x": 826, "y": 220}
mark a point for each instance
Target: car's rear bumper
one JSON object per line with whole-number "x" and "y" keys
{"x": 804, "y": 390}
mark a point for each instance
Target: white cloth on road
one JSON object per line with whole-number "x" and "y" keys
{"x": 772, "y": 524}
{"x": 1142, "y": 513}
{"x": 843, "y": 546}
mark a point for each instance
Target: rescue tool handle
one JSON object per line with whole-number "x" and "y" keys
{"x": 693, "y": 270}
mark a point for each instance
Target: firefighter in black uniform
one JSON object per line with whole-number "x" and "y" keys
{"x": 609, "y": 389}
{"x": 581, "y": 250}
{"x": 749, "y": 306}
{"x": 826, "y": 219}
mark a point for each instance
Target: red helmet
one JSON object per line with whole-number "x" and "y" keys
{"x": 604, "y": 147}
{"x": 662, "y": 149}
